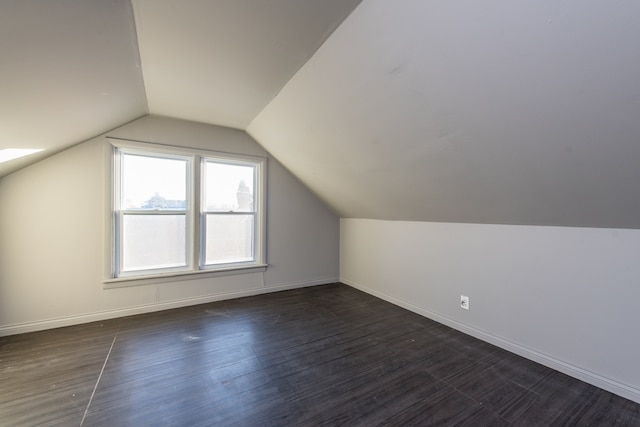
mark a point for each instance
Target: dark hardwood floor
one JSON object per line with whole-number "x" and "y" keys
{"x": 326, "y": 355}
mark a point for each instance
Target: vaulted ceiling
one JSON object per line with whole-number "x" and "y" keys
{"x": 73, "y": 69}
{"x": 489, "y": 111}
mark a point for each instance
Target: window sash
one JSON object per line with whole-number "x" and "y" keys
{"x": 227, "y": 261}
{"x": 123, "y": 265}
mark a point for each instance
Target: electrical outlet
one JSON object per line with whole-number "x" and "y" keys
{"x": 464, "y": 302}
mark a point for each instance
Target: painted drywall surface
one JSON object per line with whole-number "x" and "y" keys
{"x": 569, "y": 294}
{"x": 307, "y": 232}
{"x": 169, "y": 131}
{"x": 313, "y": 245}
{"x": 223, "y": 61}
{"x": 494, "y": 112}
{"x": 70, "y": 71}
{"x": 52, "y": 235}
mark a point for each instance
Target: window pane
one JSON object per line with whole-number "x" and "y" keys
{"x": 229, "y": 239}
{"x": 229, "y": 187}
{"x": 153, "y": 182}
{"x": 153, "y": 241}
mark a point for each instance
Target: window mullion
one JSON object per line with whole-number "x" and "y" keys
{"x": 196, "y": 222}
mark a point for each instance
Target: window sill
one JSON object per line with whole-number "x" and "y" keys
{"x": 125, "y": 282}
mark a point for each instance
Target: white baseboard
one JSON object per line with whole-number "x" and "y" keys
{"x": 148, "y": 308}
{"x": 592, "y": 378}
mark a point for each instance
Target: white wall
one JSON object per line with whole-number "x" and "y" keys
{"x": 53, "y": 234}
{"x": 565, "y": 297}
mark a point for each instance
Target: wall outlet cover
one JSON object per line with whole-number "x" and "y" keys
{"x": 464, "y": 302}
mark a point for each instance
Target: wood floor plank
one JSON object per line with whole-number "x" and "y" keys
{"x": 324, "y": 355}
{"x": 46, "y": 378}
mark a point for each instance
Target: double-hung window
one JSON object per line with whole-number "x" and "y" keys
{"x": 229, "y": 211}
{"x": 153, "y": 212}
{"x": 185, "y": 211}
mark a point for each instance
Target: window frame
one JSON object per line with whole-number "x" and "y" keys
{"x": 194, "y": 213}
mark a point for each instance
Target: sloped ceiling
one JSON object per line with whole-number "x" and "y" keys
{"x": 492, "y": 111}
{"x": 69, "y": 70}
{"x": 222, "y": 61}
{"x": 72, "y": 69}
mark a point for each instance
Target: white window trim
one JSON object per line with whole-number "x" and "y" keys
{"x": 152, "y": 279}
{"x": 193, "y": 270}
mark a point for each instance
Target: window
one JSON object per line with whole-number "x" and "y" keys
{"x": 228, "y": 212}
{"x": 152, "y": 219}
{"x": 185, "y": 211}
